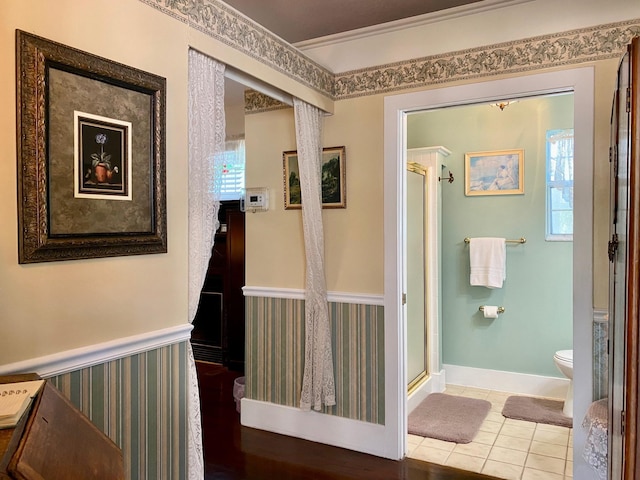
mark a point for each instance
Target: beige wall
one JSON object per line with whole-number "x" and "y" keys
{"x": 47, "y": 308}
{"x": 354, "y": 245}
{"x": 51, "y": 307}
{"x": 353, "y": 236}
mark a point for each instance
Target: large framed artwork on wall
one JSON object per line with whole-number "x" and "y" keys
{"x": 91, "y": 155}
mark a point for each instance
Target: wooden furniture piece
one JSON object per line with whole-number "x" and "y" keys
{"x": 218, "y": 328}
{"x": 55, "y": 441}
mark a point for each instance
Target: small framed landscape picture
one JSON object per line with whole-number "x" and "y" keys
{"x": 494, "y": 173}
{"x": 333, "y": 179}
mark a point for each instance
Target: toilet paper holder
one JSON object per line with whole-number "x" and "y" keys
{"x": 500, "y": 309}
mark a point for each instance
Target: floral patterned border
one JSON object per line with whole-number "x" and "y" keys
{"x": 576, "y": 46}
{"x": 221, "y": 22}
{"x": 256, "y": 102}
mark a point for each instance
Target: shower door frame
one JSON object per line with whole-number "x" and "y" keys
{"x": 415, "y": 382}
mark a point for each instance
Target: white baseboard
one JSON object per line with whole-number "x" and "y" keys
{"x": 434, "y": 384}
{"x": 317, "y": 427}
{"x": 85, "y": 357}
{"x": 522, "y": 383}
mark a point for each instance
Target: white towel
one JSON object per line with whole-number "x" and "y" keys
{"x": 488, "y": 262}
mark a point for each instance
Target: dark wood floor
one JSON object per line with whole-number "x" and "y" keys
{"x": 233, "y": 452}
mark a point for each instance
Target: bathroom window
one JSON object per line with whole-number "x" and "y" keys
{"x": 229, "y": 170}
{"x": 559, "y": 185}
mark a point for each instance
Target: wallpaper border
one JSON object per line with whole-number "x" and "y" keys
{"x": 572, "y": 47}
{"x": 230, "y": 27}
{"x": 547, "y": 51}
{"x": 219, "y": 21}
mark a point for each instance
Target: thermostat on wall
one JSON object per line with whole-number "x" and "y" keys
{"x": 255, "y": 199}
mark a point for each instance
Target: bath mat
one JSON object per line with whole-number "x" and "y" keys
{"x": 448, "y": 417}
{"x": 539, "y": 410}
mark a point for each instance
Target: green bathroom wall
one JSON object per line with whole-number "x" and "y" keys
{"x": 537, "y": 292}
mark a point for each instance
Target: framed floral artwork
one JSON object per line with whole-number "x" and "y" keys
{"x": 91, "y": 155}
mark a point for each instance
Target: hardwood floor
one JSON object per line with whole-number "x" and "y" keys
{"x": 234, "y": 452}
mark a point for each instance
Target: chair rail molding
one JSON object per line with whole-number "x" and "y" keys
{"x": 298, "y": 294}
{"x": 83, "y": 357}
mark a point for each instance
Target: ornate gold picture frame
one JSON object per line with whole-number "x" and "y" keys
{"x": 91, "y": 155}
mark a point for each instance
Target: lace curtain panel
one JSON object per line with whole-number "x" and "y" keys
{"x": 595, "y": 452}
{"x": 206, "y": 144}
{"x": 318, "y": 382}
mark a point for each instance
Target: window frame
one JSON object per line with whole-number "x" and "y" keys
{"x": 550, "y": 185}
{"x": 239, "y": 177}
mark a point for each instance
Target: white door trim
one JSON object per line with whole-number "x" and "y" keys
{"x": 581, "y": 82}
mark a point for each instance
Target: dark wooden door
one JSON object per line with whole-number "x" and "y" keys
{"x": 234, "y": 298}
{"x": 632, "y": 430}
{"x": 218, "y": 333}
{"x": 624, "y": 279}
{"x": 619, "y": 165}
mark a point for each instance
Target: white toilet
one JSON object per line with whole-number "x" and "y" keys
{"x": 564, "y": 361}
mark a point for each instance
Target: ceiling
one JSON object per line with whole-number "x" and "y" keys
{"x": 299, "y": 20}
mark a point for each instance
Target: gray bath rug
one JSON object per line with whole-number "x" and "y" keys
{"x": 538, "y": 410}
{"x": 448, "y": 417}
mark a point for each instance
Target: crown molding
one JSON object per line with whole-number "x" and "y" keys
{"x": 404, "y": 23}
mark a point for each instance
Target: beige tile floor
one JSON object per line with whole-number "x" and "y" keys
{"x": 504, "y": 448}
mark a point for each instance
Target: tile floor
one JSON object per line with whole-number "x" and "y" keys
{"x": 504, "y": 448}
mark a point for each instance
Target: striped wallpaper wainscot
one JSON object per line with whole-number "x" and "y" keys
{"x": 275, "y": 355}
{"x": 139, "y": 401}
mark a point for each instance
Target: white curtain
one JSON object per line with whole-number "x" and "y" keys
{"x": 206, "y": 141}
{"x": 317, "y": 383}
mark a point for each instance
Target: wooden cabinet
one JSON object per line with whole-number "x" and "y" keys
{"x": 218, "y": 333}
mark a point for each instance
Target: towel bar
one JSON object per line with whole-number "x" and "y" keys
{"x": 520, "y": 240}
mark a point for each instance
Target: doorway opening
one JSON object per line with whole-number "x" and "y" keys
{"x": 578, "y": 81}
{"x": 494, "y": 356}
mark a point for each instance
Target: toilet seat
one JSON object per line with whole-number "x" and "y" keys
{"x": 564, "y": 356}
